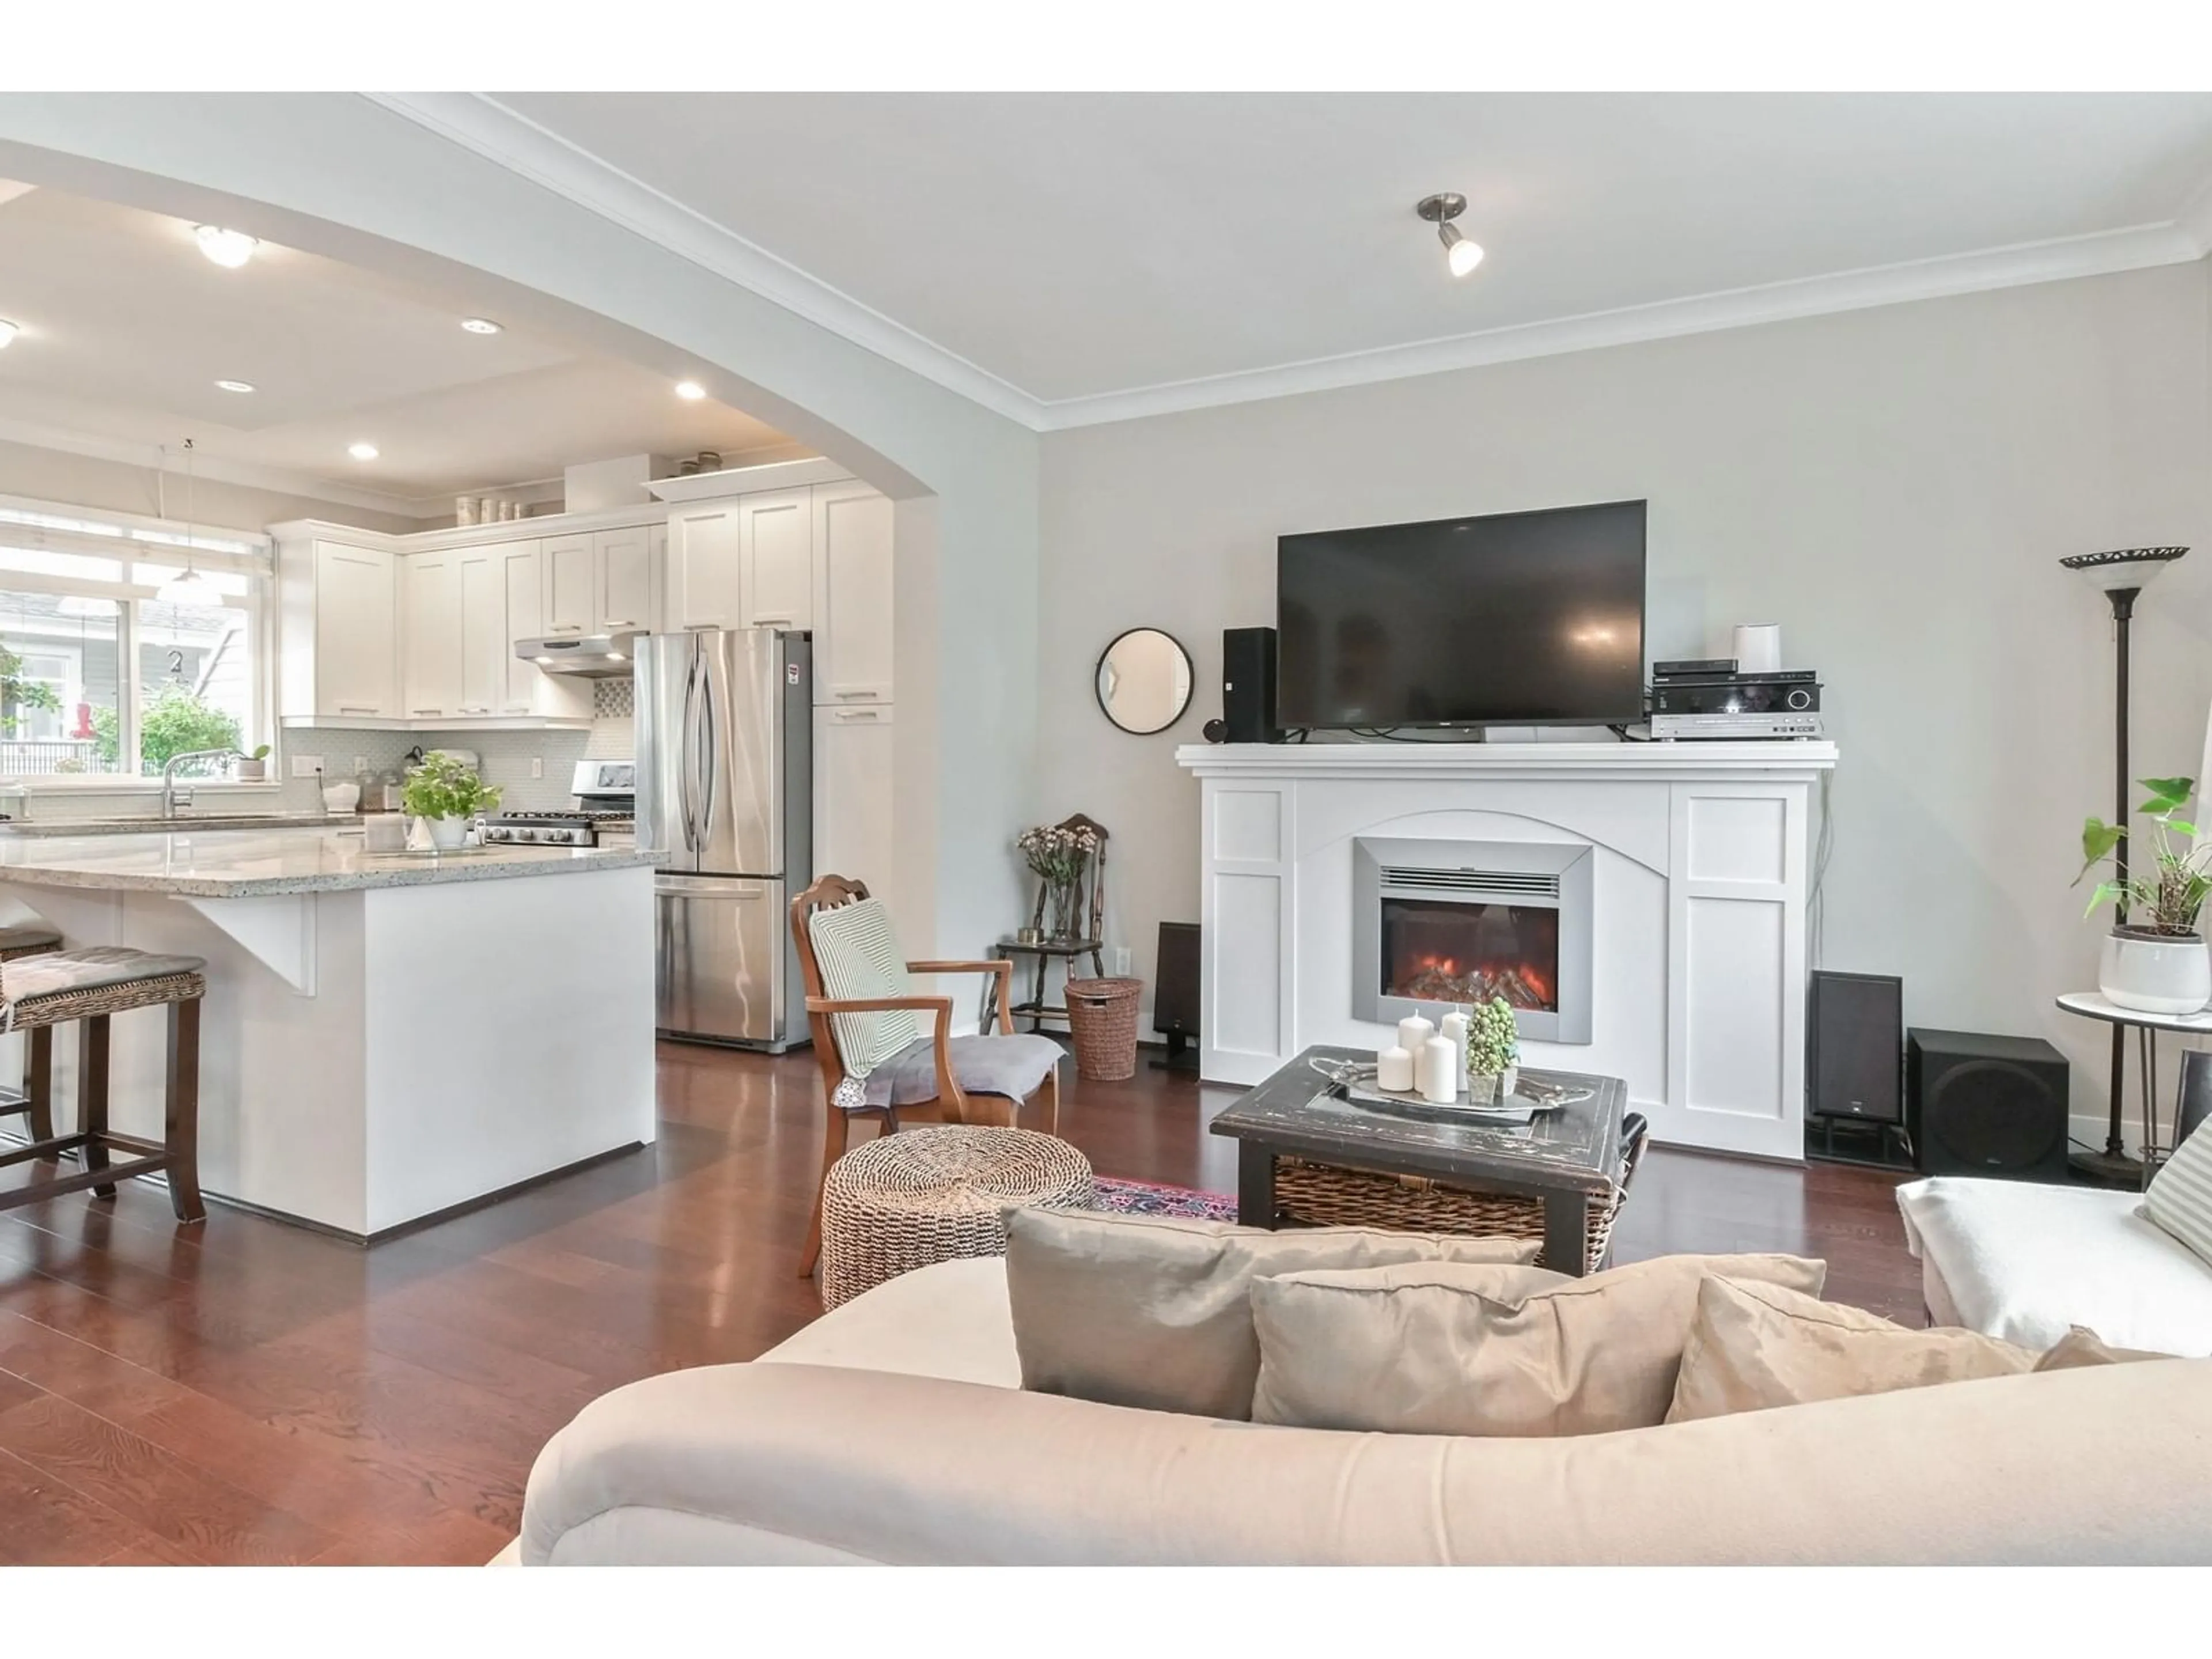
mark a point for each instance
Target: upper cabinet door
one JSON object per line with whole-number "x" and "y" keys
{"x": 569, "y": 585}
{"x": 485, "y": 649}
{"x": 356, "y": 632}
{"x": 704, "y": 588}
{"x": 622, "y": 571}
{"x": 523, "y": 618}
{"x": 776, "y": 541}
{"x": 852, "y": 539}
{"x": 430, "y": 591}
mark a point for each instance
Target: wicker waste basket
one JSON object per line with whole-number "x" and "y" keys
{"x": 1102, "y": 1017}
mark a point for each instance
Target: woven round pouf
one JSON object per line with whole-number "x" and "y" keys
{"x": 904, "y": 1200}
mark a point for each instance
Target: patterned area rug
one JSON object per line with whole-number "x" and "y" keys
{"x": 1152, "y": 1198}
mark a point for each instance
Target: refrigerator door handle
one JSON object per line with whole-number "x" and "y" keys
{"x": 711, "y": 731}
{"x": 684, "y": 744}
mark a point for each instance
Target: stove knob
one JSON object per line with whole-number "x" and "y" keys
{"x": 525, "y": 834}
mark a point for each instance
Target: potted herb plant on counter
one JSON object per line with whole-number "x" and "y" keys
{"x": 254, "y": 767}
{"x": 446, "y": 792}
{"x": 2158, "y": 966}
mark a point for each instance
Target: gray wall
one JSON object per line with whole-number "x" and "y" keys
{"x": 1893, "y": 486}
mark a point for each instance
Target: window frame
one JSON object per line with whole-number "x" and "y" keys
{"x": 135, "y": 539}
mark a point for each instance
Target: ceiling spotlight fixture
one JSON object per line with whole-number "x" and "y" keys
{"x": 228, "y": 248}
{"x": 8, "y": 332}
{"x": 691, "y": 391}
{"x": 1461, "y": 255}
{"x": 362, "y": 451}
{"x": 480, "y": 325}
{"x": 235, "y": 385}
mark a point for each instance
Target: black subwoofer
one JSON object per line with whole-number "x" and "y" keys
{"x": 1980, "y": 1105}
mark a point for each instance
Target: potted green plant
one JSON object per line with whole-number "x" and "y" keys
{"x": 1493, "y": 1052}
{"x": 254, "y": 767}
{"x": 446, "y": 792}
{"x": 2158, "y": 966}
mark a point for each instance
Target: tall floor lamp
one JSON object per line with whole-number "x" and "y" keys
{"x": 2120, "y": 575}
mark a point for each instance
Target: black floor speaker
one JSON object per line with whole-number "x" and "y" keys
{"x": 1174, "y": 987}
{"x": 1247, "y": 685}
{"x": 1855, "y": 1048}
{"x": 1979, "y": 1105}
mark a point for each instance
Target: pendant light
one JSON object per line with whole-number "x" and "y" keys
{"x": 188, "y": 586}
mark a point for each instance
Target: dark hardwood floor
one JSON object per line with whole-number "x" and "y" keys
{"x": 250, "y": 1392}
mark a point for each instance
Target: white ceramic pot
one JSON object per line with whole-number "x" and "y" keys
{"x": 253, "y": 771}
{"x": 2155, "y": 973}
{"x": 448, "y": 834}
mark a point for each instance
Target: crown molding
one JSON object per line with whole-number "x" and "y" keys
{"x": 284, "y": 481}
{"x": 483, "y": 125}
{"x": 2097, "y": 255}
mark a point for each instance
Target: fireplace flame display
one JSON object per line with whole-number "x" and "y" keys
{"x": 1439, "y": 952}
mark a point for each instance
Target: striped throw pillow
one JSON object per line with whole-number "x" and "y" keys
{"x": 2179, "y": 1196}
{"x": 860, "y": 957}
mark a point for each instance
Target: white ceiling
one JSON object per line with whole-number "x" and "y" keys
{"x": 126, "y": 328}
{"x": 1076, "y": 248}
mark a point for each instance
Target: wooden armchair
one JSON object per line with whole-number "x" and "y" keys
{"x": 985, "y": 1078}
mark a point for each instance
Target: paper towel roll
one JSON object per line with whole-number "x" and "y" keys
{"x": 1757, "y": 648}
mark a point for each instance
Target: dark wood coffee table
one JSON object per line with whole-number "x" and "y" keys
{"x": 1566, "y": 1159}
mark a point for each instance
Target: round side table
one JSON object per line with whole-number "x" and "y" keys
{"x": 2094, "y": 1005}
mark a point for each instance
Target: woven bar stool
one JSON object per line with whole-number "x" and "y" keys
{"x": 37, "y": 993}
{"x": 25, "y": 941}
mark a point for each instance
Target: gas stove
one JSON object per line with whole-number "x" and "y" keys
{"x": 556, "y": 829}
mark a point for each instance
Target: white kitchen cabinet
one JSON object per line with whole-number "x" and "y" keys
{"x": 338, "y": 631}
{"x": 851, "y": 536}
{"x": 522, "y": 617}
{"x": 570, "y": 586}
{"x": 486, "y": 648}
{"x": 854, "y": 834}
{"x": 775, "y": 553}
{"x": 621, "y": 580}
{"x": 430, "y": 636}
{"x": 705, "y": 585}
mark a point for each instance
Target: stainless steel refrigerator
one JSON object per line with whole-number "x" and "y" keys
{"x": 726, "y": 794}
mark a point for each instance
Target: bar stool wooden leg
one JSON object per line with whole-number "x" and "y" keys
{"x": 92, "y": 1073}
{"x": 181, "y": 1113}
{"x": 38, "y": 1082}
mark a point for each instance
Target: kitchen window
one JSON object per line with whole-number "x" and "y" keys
{"x": 102, "y": 678}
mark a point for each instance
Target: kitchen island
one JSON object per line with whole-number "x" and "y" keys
{"x": 386, "y": 1036}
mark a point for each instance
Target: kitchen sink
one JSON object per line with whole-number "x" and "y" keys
{"x": 183, "y": 824}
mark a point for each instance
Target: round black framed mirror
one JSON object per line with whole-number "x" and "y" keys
{"x": 1144, "y": 681}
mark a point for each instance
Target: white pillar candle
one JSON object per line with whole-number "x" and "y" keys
{"x": 1414, "y": 1034}
{"x": 1453, "y": 1028}
{"x": 1393, "y": 1070}
{"x": 1439, "y": 1075}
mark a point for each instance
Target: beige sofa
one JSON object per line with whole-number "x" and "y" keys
{"x": 893, "y": 1430}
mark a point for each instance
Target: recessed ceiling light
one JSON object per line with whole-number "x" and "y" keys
{"x": 480, "y": 325}
{"x": 235, "y": 385}
{"x": 228, "y": 248}
{"x": 362, "y": 451}
{"x": 8, "y": 332}
{"x": 1460, "y": 254}
{"x": 691, "y": 391}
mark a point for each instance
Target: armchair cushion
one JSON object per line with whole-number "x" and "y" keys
{"x": 860, "y": 959}
{"x": 1010, "y": 1065}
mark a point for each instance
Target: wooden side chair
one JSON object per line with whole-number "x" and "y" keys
{"x": 877, "y": 1059}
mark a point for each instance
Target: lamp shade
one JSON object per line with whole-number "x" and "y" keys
{"x": 2126, "y": 567}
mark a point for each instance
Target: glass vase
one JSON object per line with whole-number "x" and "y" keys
{"x": 1063, "y": 904}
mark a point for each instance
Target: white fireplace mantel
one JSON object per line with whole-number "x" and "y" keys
{"x": 1702, "y": 877}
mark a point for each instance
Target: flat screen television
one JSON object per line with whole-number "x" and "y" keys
{"x": 1514, "y": 619}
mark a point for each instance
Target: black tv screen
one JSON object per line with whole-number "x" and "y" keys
{"x": 1516, "y": 619}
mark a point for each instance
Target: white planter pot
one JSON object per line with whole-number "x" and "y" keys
{"x": 2155, "y": 974}
{"x": 254, "y": 771}
{"x": 446, "y": 834}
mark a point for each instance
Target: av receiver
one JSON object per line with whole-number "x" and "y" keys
{"x": 1737, "y": 694}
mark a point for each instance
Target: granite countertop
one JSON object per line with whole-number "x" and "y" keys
{"x": 253, "y": 863}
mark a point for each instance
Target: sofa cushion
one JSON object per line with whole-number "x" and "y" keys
{"x": 2179, "y": 1196}
{"x": 1477, "y": 1351}
{"x": 1013, "y": 1066}
{"x": 1156, "y": 1311}
{"x": 2079, "y": 1347}
{"x": 946, "y": 1320}
{"x": 2024, "y": 1262}
{"x": 1755, "y": 1346}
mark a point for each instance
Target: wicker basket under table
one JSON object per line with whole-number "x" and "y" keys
{"x": 920, "y": 1196}
{"x": 1329, "y": 1195}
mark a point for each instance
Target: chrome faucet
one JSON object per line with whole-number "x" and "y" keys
{"x": 173, "y": 797}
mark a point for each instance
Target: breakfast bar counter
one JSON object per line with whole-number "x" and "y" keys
{"x": 386, "y": 1036}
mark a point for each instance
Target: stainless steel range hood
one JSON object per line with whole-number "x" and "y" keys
{"x": 593, "y": 656}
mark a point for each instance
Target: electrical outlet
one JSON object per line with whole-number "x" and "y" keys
{"x": 1122, "y": 961}
{"x": 361, "y": 764}
{"x": 538, "y": 765}
{"x": 306, "y": 766}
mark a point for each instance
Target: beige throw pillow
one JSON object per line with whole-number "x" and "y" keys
{"x": 1485, "y": 1350}
{"x": 1156, "y": 1311}
{"x": 1753, "y": 1346}
{"x": 2081, "y": 1347}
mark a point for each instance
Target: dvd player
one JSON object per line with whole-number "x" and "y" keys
{"x": 1719, "y": 727}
